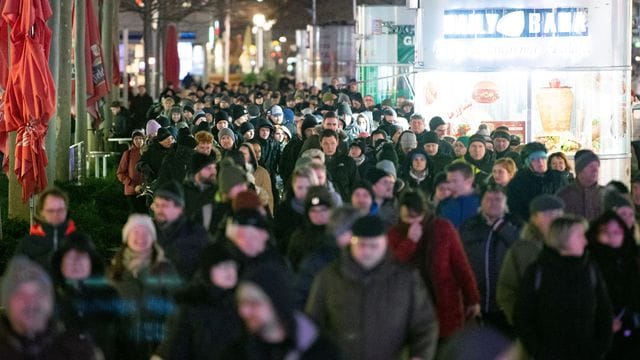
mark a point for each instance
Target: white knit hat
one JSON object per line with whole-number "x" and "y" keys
{"x": 135, "y": 220}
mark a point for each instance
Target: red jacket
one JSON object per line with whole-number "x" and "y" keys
{"x": 453, "y": 280}
{"x": 127, "y": 173}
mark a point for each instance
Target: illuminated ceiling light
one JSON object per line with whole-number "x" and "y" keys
{"x": 283, "y": 39}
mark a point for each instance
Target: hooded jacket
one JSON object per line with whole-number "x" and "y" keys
{"x": 43, "y": 240}
{"x": 374, "y": 314}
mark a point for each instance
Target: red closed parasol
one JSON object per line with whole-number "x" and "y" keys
{"x": 30, "y": 97}
{"x": 171, "y": 59}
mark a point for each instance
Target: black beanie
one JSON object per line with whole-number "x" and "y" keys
{"x": 162, "y": 134}
{"x": 501, "y": 134}
{"x": 545, "y": 202}
{"x": 246, "y": 127}
{"x": 435, "y": 122}
{"x": 375, "y": 174}
{"x": 368, "y": 226}
{"x": 186, "y": 139}
{"x": 316, "y": 196}
{"x": 308, "y": 122}
{"x": 583, "y": 158}
{"x": 238, "y": 111}
{"x": 220, "y": 116}
{"x": 431, "y": 138}
{"x": 199, "y": 161}
{"x": 163, "y": 120}
{"x": 171, "y": 190}
{"x": 212, "y": 255}
{"x": 477, "y": 138}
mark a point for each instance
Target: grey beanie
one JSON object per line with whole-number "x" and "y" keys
{"x": 227, "y": 132}
{"x": 408, "y": 140}
{"x": 171, "y": 190}
{"x": 21, "y": 270}
{"x": 583, "y": 158}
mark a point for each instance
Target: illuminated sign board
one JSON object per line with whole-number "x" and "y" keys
{"x": 515, "y": 23}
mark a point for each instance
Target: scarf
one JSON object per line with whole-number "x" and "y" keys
{"x": 359, "y": 160}
{"x": 136, "y": 262}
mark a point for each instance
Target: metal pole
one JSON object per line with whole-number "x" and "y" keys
{"x": 125, "y": 57}
{"x": 81, "y": 78}
{"x": 313, "y": 41}
{"x": 227, "y": 41}
{"x": 63, "y": 88}
{"x": 260, "y": 47}
{"x": 54, "y": 66}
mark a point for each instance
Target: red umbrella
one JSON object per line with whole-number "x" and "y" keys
{"x": 171, "y": 59}
{"x": 30, "y": 99}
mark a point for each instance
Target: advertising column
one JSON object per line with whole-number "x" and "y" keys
{"x": 554, "y": 71}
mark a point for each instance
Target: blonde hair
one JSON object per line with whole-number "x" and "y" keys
{"x": 560, "y": 230}
{"x": 508, "y": 164}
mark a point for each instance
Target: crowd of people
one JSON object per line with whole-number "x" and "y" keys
{"x": 308, "y": 223}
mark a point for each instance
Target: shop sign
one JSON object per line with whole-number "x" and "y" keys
{"x": 515, "y": 23}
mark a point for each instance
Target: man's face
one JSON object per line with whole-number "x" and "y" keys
{"x": 368, "y": 252}
{"x": 441, "y": 130}
{"x": 224, "y": 274}
{"x": 368, "y": 101}
{"x": 167, "y": 142}
{"x": 142, "y": 90}
{"x": 458, "y": 184}
{"x": 54, "y": 210}
{"x": 249, "y": 134}
{"x": 383, "y": 188}
{"x": 255, "y": 308}
{"x": 539, "y": 165}
{"x": 75, "y": 265}
{"x": 635, "y": 192}
{"x": 204, "y": 148}
{"x": 226, "y": 142}
{"x": 222, "y": 124}
{"x": 419, "y": 163}
{"x": 115, "y": 110}
{"x": 321, "y": 174}
{"x": 277, "y": 119}
{"x": 224, "y": 105}
{"x": 361, "y": 200}
{"x": 319, "y": 215}
{"x": 176, "y": 117}
{"x": 207, "y": 175}
{"x": 264, "y": 133}
{"x": 500, "y": 144}
{"x": 543, "y": 219}
{"x": 329, "y": 145}
{"x": 494, "y": 204}
{"x": 589, "y": 175}
{"x": 251, "y": 240}
{"x": 330, "y": 124}
{"x": 477, "y": 150}
{"x": 575, "y": 244}
{"x": 390, "y": 119}
{"x": 30, "y": 308}
{"x": 417, "y": 126}
{"x": 431, "y": 149}
{"x": 165, "y": 210}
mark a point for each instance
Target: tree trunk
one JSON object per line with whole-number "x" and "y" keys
{"x": 63, "y": 88}
{"x": 54, "y": 64}
{"x": 148, "y": 48}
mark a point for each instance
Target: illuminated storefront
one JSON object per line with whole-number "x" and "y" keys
{"x": 554, "y": 71}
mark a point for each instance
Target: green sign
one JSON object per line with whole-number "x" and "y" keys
{"x": 405, "y": 44}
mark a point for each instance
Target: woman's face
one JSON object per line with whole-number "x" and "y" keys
{"x": 138, "y": 141}
{"x": 557, "y": 163}
{"x": 225, "y": 274}
{"x": 459, "y": 149}
{"x": 611, "y": 234}
{"x": 75, "y": 265}
{"x": 139, "y": 239}
{"x": 245, "y": 152}
{"x": 300, "y": 187}
{"x": 500, "y": 175}
{"x": 627, "y": 214}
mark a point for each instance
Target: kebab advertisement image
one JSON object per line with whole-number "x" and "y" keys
{"x": 555, "y": 104}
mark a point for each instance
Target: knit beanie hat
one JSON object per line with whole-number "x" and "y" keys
{"x": 375, "y": 174}
{"x": 212, "y": 255}
{"x": 308, "y": 122}
{"x": 162, "y": 134}
{"x": 171, "y": 190}
{"x": 288, "y": 116}
{"x": 152, "y": 127}
{"x": 613, "y": 200}
{"x": 276, "y": 110}
{"x": 199, "y": 161}
{"x": 501, "y": 134}
{"x": 389, "y": 112}
{"x": 238, "y": 111}
{"x": 226, "y": 132}
{"x": 364, "y": 184}
{"x": 163, "y": 120}
{"x": 188, "y": 108}
{"x": 185, "y": 138}
{"x": 318, "y": 196}
{"x": 21, "y": 270}
{"x": 248, "y": 199}
{"x": 246, "y": 127}
{"x": 464, "y": 140}
{"x": 583, "y": 158}
{"x": 251, "y": 217}
{"x": 408, "y": 140}
{"x": 176, "y": 109}
{"x": 388, "y": 167}
{"x": 545, "y": 202}
{"x": 230, "y": 175}
{"x": 431, "y": 138}
{"x": 253, "y": 110}
{"x": 435, "y": 122}
{"x": 368, "y": 226}
{"x": 221, "y": 116}
{"x": 477, "y": 138}
{"x": 138, "y": 220}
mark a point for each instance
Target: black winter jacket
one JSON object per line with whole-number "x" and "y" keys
{"x": 526, "y": 185}
{"x": 182, "y": 242}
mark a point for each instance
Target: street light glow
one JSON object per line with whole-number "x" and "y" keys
{"x": 259, "y": 20}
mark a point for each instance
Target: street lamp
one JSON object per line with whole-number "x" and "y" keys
{"x": 259, "y": 21}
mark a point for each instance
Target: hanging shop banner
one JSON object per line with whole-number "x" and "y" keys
{"x": 386, "y": 34}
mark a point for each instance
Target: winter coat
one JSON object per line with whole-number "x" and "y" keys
{"x": 288, "y": 214}
{"x": 55, "y": 343}
{"x": 269, "y": 257}
{"x": 459, "y": 209}
{"x": 306, "y": 344}
{"x": 270, "y": 155}
{"x": 43, "y": 240}
{"x": 204, "y": 325}
{"x": 195, "y": 198}
{"x": 509, "y": 154}
{"x": 262, "y": 180}
{"x": 443, "y": 264}
{"x": 526, "y": 185}
{"x": 95, "y": 308}
{"x": 621, "y": 273}
{"x": 485, "y": 164}
{"x": 578, "y": 200}
{"x": 304, "y": 241}
{"x": 182, "y": 241}
{"x": 374, "y": 314}
{"x": 444, "y": 148}
{"x": 342, "y": 173}
{"x": 148, "y": 303}
{"x": 310, "y": 267}
{"x": 388, "y": 128}
{"x": 518, "y": 258}
{"x": 563, "y": 310}
{"x": 151, "y": 161}
{"x": 439, "y": 162}
{"x": 175, "y": 164}
{"x": 289, "y": 156}
{"x": 486, "y": 246}
{"x": 127, "y": 173}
